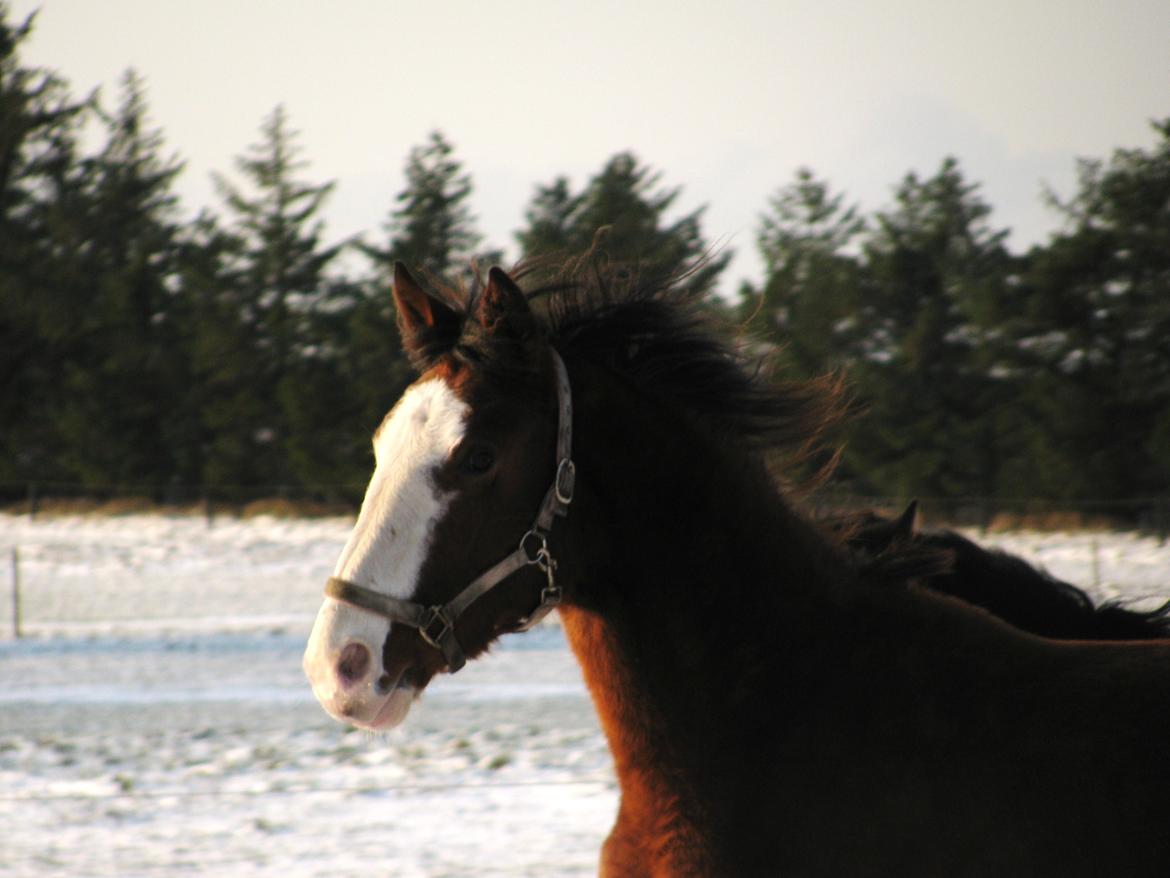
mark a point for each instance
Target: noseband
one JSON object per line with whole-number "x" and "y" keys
{"x": 436, "y": 624}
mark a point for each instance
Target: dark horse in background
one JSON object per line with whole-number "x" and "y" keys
{"x": 776, "y": 703}
{"x": 1003, "y": 584}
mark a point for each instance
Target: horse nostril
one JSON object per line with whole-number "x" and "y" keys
{"x": 354, "y": 662}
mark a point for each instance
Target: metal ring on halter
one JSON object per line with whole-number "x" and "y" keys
{"x": 446, "y": 627}
{"x": 541, "y": 556}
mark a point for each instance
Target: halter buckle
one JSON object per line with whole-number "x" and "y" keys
{"x": 431, "y": 616}
{"x": 540, "y": 555}
{"x": 566, "y": 481}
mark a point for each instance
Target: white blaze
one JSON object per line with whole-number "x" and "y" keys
{"x": 389, "y": 543}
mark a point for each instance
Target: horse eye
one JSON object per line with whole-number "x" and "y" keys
{"x": 479, "y": 460}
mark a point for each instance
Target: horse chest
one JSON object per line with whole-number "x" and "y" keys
{"x": 656, "y": 833}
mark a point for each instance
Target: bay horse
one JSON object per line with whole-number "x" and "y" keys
{"x": 772, "y": 706}
{"x": 1003, "y": 584}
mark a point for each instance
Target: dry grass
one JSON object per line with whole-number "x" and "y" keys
{"x": 1052, "y": 522}
{"x": 276, "y": 507}
{"x": 280, "y": 507}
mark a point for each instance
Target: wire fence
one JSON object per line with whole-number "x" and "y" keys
{"x": 85, "y": 574}
{"x": 72, "y": 561}
{"x": 65, "y": 570}
{"x": 1144, "y": 514}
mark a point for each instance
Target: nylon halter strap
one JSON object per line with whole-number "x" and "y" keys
{"x": 436, "y": 624}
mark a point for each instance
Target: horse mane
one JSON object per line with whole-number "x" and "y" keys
{"x": 657, "y": 334}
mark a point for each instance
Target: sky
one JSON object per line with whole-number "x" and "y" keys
{"x": 726, "y": 100}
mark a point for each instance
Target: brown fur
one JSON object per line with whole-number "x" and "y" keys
{"x": 653, "y": 836}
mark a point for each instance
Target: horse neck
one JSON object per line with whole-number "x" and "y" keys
{"x": 687, "y": 572}
{"x": 672, "y": 512}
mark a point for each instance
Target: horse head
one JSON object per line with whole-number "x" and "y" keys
{"x": 450, "y": 548}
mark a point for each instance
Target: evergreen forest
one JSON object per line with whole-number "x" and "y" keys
{"x": 239, "y": 353}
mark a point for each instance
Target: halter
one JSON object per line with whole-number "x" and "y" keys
{"x": 436, "y": 624}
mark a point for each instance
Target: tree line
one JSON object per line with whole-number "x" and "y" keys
{"x": 233, "y": 351}
{"x": 982, "y": 372}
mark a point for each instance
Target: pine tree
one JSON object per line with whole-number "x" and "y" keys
{"x": 38, "y": 127}
{"x": 811, "y": 285}
{"x": 218, "y": 346}
{"x": 1098, "y": 333}
{"x": 122, "y": 267}
{"x": 354, "y": 376}
{"x": 281, "y": 261}
{"x": 40, "y": 184}
{"x": 273, "y": 283}
{"x": 626, "y": 203}
{"x": 935, "y": 272}
{"x": 431, "y": 229}
{"x": 551, "y": 220}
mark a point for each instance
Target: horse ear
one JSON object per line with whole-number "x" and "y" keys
{"x": 503, "y": 306}
{"x": 428, "y": 326}
{"x": 907, "y": 522}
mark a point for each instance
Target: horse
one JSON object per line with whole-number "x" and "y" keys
{"x": 1005, "y": 585}
{"x": 772, "y": 705}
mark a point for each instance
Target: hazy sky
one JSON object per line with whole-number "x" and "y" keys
{"x": 726, "y": 99}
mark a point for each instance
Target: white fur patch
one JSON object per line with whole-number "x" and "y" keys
{"x": 388, "y": 545}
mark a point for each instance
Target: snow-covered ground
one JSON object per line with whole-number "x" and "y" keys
{"x": 155, "y": 721}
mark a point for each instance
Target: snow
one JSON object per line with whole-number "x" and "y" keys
{"x": 156, "y": 721}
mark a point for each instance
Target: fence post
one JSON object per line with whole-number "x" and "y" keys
{"x": 16, "y": 593}
{"x": 1096, "y": 564}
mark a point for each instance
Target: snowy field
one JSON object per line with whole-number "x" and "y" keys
{"x": 155, "y": 721}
